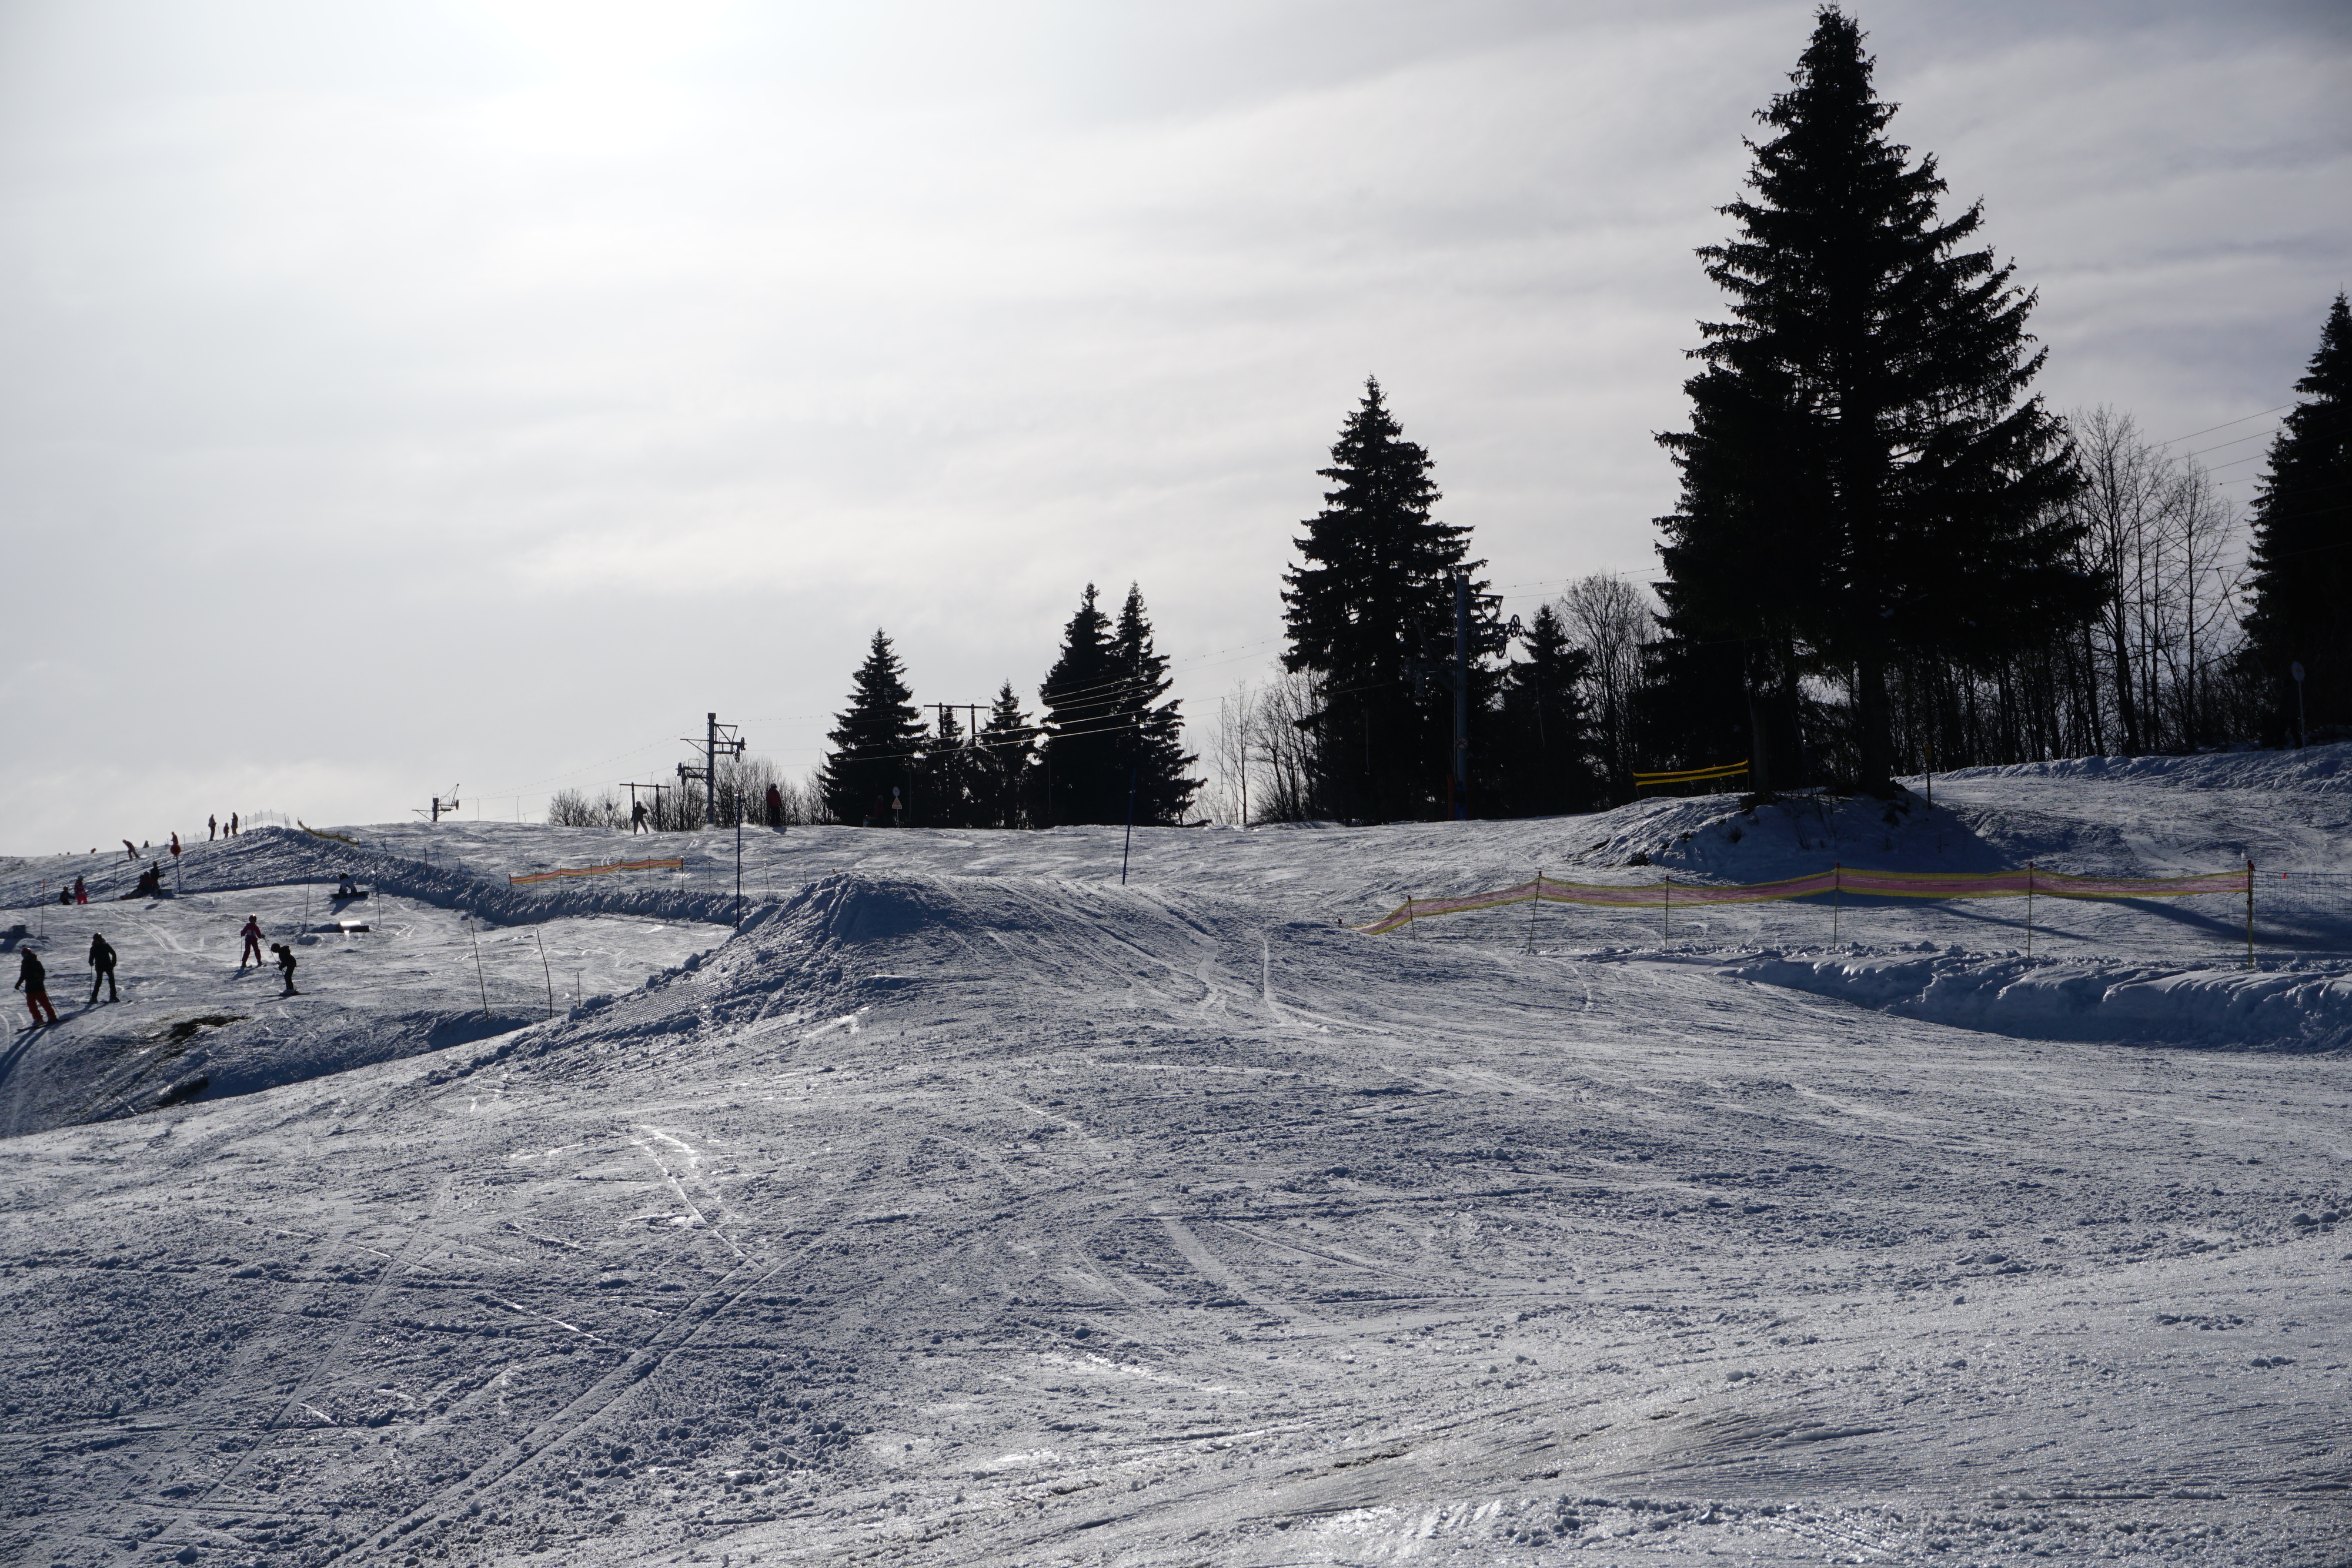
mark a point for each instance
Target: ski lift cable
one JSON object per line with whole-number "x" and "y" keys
{"x": 574, "y": 773}
{"x": 2225, "y": 424}
{"x": 2223, "y": 445}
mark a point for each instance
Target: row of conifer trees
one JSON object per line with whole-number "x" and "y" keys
{"x": 1886, "y": 555}
{"x": 1108, "y": 746}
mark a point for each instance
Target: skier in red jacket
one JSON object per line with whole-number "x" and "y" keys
{"x": 252, "y": 934}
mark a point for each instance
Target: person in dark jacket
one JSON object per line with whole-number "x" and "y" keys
{"x": 101, "y": 965}
{"x": 285, "y": 967}
{"x": 212, "y": 829}
{"x": 65, "y": 895}
{"x": 33, "y": 979}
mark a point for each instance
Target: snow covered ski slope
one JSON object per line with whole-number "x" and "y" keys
{"x": 967, "y": 1208}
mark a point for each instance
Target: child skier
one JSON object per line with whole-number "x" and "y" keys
{"x": 285, "y": 967}
{"x": 252, "y": 934}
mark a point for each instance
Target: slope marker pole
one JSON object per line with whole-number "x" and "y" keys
{"x": 1837, "y": 898}
{"x": 2029, "y": 909}
{"x": 1666, "y": 903}
{"x": 545, "y": 970}
{"x": 2250, "y": 908}
{"x": 1534, "y": 905}
{"x": 1132, "y": 774}
{"x": 478, "y": 979}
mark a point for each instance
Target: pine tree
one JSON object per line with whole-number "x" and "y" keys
{"x": 1542, "y": 747}
{"x": 1369, "y": 612}
{"x": 2302, "y": 558}
{"x": 1106, "y": 725}
{"x": 875, "y": 742}
{"x": 1151, "y": 741}
{"x": 949, "y": 772}
{"x": 1008, "y": 764}
{"x": 1866, "y": 477}
{"x": 1084, "y": 768}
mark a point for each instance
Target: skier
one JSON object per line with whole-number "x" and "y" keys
{"x": 101, "y": 965}
{"x": 775, "y": 809}
{"x": 212, "y": 829}
{"x": 81, "y": 893}
{"x": 129, "y": 849}
{"x": 34, "y": 981}
{"x": 232, "y": 824}
{"x": 285, "y": 967}
{"x": 637, "y": 818}
{"x": 252, "y": 934}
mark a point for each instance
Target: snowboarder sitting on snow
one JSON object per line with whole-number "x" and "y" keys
{"x": 252, "y": 934}
{"x": 65, "y": 895}
{"x": 344, "y": 889}
{"x": 101, "y": 964}
{"x": 151, "y": 884}
{"x": 285, "y": 967}
{"x": 33, "y": 979}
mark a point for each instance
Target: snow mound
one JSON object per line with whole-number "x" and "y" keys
{"x": 2217, "y": 1008}
{"x": 844, "y": 943}
{"x": 2313, "y": 769}
{"x": 1714, "y": 836}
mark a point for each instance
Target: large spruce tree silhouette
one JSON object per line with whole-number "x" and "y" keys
{"x": 1866, "y": 476}
{"x": 2302, "y": 577}
{"x": 875, "y": 742}
{"x": 1370, "y": 611}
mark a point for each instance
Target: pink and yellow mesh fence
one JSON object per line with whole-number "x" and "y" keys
{"x": 673, "y": 863}
{"x": 2025, "y": 882}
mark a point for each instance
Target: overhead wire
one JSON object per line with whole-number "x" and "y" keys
{"x": 2225, "y": 425}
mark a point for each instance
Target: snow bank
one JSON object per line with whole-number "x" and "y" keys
{"x": 2220, "y": 1008}
{"x": 1712, "y": 835}
{"x": 2313, "y": 769}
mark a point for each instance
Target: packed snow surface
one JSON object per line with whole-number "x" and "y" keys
{"x": 962, "y": 1205}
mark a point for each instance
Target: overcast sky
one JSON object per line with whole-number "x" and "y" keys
{"x": 398, "y": 396}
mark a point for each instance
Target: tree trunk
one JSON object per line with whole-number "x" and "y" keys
{"x": 1873, "y": 765}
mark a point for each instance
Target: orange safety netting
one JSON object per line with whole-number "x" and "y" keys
{"x": 1837, "y": 880}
